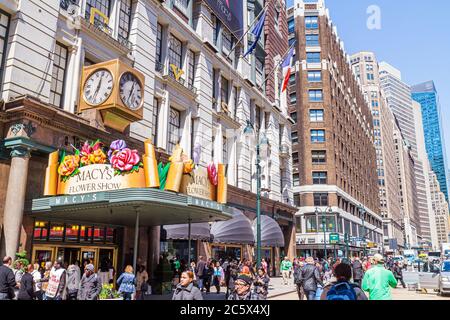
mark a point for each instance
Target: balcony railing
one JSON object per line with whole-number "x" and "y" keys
{"x": 182, "y": 81}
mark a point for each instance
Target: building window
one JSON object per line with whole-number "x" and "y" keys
{"x": 298, "y": 224}
{"x": 227, "y": 40}
{"x": 370, "y": 76}
{"x": 224, "y": 93}
{"x": 312, "y": 23}
{"x": 317, "y": 136}
{"x": 291, "y": 25}
{"x": 58, "y": 75}
{"x": 259, "y": 68}
{"x": 294, "y": 137}
{"x": 103, "y": 6}
{"x": 277, "y": 18}
{"x": 311, "y": 224}
{"x": 320, "y": 199}
{"x": 236, "y": 101}
{"x": 191, "y": 68}
{"x": 175, "y": 48}
{"x": 292, "y": 79}
{"x": 315, "y": 96}
{"x": 312, "y": 40}
{"x": 296, "y": 179}
{"x": 174, "y": 129}
{"x": 124, "y": 19}
{"x": 294, "y": 116}
{"x": 314, "y": 76}
{"x": 319, "y": 177}
{"x": 4, "y": 28}
{"x": 329, "y": 222}
{"x": 297, "y": 199}
{"x": 155, "y": 121}
{"x": 182, "y": 6}
{"x": 295, "y": 158}
{"x": 313, "y": 57}
{"x": 316, "y": 115}
{"x": 319, "y": 156}
{"x": 293, "y": 98}
{"x": 225, "y": 150}
{"x": 159, "y": 43}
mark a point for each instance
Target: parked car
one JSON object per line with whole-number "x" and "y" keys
{"x": 444, "y": 281}
{"x": 429, "y": 276}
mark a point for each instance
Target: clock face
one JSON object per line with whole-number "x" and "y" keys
{"x": 98, "y": 87}
{"x": 130, "y": 91}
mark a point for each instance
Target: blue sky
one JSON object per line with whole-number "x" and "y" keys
{"x": 414, "y": 37}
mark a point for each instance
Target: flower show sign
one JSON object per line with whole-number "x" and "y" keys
{"x": 95, "y": 168}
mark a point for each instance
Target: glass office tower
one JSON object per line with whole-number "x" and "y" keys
{"x": 426, "y": 94}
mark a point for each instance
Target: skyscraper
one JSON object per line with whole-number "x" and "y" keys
{"x": 398, "y": 96}
{"x": 365, "y": 67}
{"x": 426, "y": 94}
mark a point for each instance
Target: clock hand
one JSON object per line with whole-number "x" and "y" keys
{"x": 131, "y": 92}
{"x": 98, "y": 88}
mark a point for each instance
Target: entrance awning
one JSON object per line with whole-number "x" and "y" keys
{"x": 271, "y": 233}
{"x": 119, "y": 207}
{"x": 199, "y": 231}
{"x": 237, "y": 230}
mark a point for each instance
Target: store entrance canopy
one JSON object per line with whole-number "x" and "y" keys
{"x": 119, "y": 207}
{"x": 271, "y": 233}
{"x": 199, "y": 231}
{"x": 237, "y": 230}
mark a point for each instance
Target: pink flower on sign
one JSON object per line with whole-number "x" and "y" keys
{"x": 125, "y": 159}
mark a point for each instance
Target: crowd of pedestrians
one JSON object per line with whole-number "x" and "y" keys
{"x": 346, "y": 279}
{"x": 56, "y": 281}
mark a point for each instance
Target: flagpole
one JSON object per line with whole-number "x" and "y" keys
{"x": 273, "y": 69}
{"x": 248, "y": 29}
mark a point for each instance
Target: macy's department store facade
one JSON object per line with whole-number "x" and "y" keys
{"x": 97, "y": 221}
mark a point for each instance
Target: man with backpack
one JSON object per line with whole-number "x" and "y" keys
{"x": 377, "y": 280}
{"x": 342, "y": 289}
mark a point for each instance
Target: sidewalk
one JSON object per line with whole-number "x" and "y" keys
{"x": 276, "y": 288}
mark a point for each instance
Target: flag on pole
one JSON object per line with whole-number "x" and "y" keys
{"x": 256, "y": 30}
{"x": 286, "y": 67}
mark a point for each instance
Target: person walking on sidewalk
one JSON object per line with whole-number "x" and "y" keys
{"x": 311, "y": 278}
{"x": 26, "y": 291}
{"x": 37, "y": 282}
{"x": 200, "y": 270}
{"x": 298, "y": 280}
{"x": 56, "y": 283}
{"x": 358, "y": 272}
{"x": 286, "y": 267}
{"x": 127, "y": 283}
{"x": 398, "y": 274}
{"x": 7, "y": 280}
{"x": 377, "y": 280}
{"x": 186, "y": 290}
{"x": 261, "y": 284}
{"x": 90, "y": 284}
{"x": 218, "y": 277}
{"x": 73, "y": 280}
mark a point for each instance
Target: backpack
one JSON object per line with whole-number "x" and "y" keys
{"x": 341, "y": 291}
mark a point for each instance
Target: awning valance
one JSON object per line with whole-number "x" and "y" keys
{"x": 120, "y": 207}
{"x": 271, "y": 233}
{"x": 199, "y": 231}
{"x": 236, "y": 230}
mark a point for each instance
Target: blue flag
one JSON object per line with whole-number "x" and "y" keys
{"x": 257, "y": 30}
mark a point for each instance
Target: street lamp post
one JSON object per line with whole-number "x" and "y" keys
{"x": 317, "y": 210}
{"x": 363, "y": 213}
{"x": 261, "y": 146}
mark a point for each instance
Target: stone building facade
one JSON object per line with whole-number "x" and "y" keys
{"x": 46, "y": 46}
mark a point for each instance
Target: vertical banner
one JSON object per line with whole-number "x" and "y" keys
{"x": 230, "y": 12}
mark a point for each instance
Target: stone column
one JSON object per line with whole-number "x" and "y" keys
{"x": 15, "y": 199}
{"x": 153, "y": 249}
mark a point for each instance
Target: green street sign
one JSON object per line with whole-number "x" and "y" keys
{"x": 334, "y": 238}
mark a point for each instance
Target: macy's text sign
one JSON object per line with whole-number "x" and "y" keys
{"x": 101, "y": 177}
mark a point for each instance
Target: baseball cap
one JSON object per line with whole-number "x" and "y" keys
{"x": 244, "y": 278}
{"x": 378, "y": 258}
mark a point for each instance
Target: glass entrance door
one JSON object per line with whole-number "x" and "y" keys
{"x": 88, "y": 256}
{"x": 41, "y": 255}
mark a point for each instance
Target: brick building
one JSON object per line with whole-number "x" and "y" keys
{"x": 334, "y": 157}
